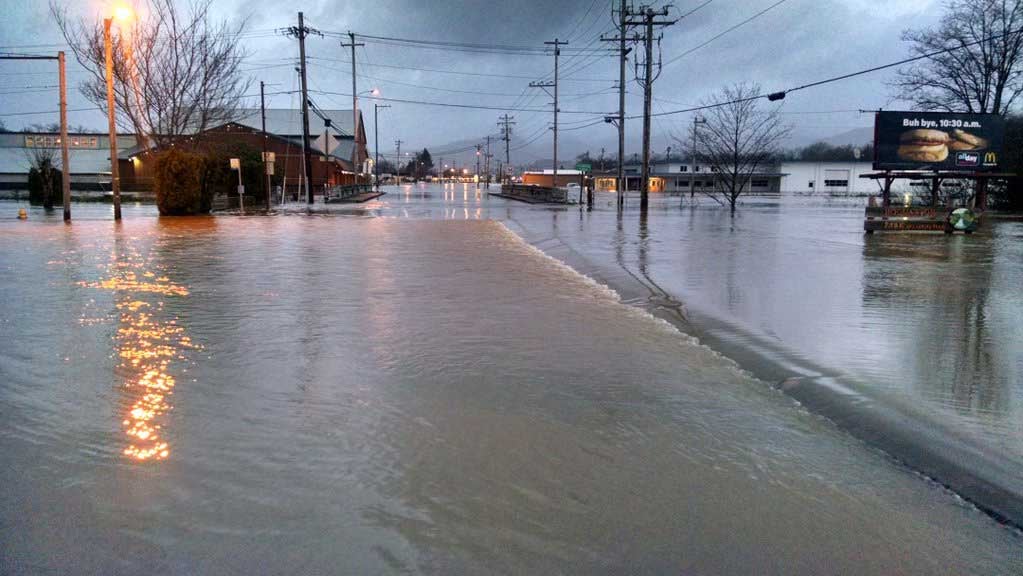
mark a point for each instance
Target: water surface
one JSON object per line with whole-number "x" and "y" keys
{"x": 357, "y": 394}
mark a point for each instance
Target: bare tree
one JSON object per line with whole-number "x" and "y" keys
{"x": 980, "y": 72}
{"x": 737, "y": 141}
{"x": 175, "y": 71}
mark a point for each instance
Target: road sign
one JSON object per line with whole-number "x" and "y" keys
{"x": 269, "y": 168}
{"x": 584, "y": 167}
{"x": 236, "y": 164}
{"x": 269, "y": 157}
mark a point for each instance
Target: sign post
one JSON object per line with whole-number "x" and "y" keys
{"x": 236, "y": 164}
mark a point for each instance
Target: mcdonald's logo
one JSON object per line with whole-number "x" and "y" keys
{"x": 990, "y": 158}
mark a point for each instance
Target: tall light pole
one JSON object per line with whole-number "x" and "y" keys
{"x": 115, "y": 179}
{"x": 376, "y": 145}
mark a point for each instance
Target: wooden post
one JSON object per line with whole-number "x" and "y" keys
{"x": 935, "y": 184}
{"x": 886, "y": 195}
{"x": 981, "y": 202}
{"x": 65, "y": 162}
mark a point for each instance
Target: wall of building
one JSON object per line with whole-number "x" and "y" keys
{"x": 831, "y": 178}
{"x": 547, "y": 178}
{"x": 89, "y": 157}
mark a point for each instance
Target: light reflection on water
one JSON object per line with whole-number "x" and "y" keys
{"x": 146, "y": 343}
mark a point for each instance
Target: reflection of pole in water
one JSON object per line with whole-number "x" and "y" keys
{"x": 643, "y": 241}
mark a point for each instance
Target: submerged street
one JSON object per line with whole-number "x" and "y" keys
{"x": 413, "y": 385}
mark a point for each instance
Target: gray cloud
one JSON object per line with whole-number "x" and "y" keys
{"x": 797, "y": 42}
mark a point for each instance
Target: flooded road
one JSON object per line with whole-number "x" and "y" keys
{"x": 355, "y": 393}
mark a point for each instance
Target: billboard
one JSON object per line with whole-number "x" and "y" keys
{"x": 937, "y": 141}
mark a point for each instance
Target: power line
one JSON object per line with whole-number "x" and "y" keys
{"x": 464, "y": 46}
{"x": 695, "y": 9}
{"x": 726, "y": 31}
{"x": 781, "y": 93}
{"x": 457, "y": 105}
{"x": 456, "y": 72}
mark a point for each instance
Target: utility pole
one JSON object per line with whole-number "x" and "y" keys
{"x": 648, "y": 19}
{"x": 65, "y": 166}
{"x": 266, "y": 163}
{"x": 355, "y": 101}
{"x": 487, "y": 162}
{"x": 545, "y": 85}
{"x": 624, "y": 11}
{"x": 478, "y": 148}
{"x": 376, "y": 144}
{"x": 397, "y": 163}
{"x": 301, "y": 32}
{"x": 506, "y": 132}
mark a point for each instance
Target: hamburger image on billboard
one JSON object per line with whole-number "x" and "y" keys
{"x": 937, "y": 141}
{"x": 923, "y": 145}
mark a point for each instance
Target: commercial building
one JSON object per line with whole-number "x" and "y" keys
{"x": 681, "y": 177}
{"x": 789, "y": 177}
{"x": 88, "y": 153}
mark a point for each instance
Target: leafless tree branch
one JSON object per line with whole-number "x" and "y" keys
{"x": 983, "y": 74}
{"x": 175, "y": 70}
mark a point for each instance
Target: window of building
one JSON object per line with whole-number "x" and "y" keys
{"x": 683, "y": 168}
{"x": 696, "y": 168}
{"x": 837, "y": 183}
{"x": 809, "y": 184}
{"x": 759, "y": 183}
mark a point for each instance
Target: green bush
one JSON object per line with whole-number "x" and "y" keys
{"x": 178, "y": 180}
{"x": 43, "y": 190}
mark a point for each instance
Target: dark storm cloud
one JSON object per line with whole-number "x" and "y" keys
{"x": 796, "y": 42}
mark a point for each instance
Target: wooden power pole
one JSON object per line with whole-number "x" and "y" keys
{"x": 648, "y": 18}
{"x": 355, "y": 103}
{"x": 300, "y": 32}
{"x": 623, "y": 26}
{"x": 557, "y": 44}
{"x": 506, "y": 131}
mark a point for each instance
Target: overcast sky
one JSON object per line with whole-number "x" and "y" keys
{"x": 796, "y": 42}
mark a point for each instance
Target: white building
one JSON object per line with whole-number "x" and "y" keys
{"x": 829, "y": 178}
{"x": 787, "y": 178}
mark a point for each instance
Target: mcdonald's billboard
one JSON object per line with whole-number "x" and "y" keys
{"x": 937, "y": 141}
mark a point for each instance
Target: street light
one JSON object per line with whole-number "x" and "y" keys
{"x": 123, "y": 14}
{"x": 376, "y": 142}
{"x": 355, "y": 117}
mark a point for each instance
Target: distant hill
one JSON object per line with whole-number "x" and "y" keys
{"x": 854, "y": 137}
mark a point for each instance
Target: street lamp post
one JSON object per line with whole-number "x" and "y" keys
{"x": 115, "y": 179}
{"x": 376, "y": 145}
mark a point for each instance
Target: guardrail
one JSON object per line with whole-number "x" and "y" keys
{"x": 340, "y": 193}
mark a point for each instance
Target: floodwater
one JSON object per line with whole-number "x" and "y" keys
{"x": 354, "y": 393}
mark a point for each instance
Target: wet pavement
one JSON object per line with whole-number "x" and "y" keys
{"x": 385, "y": 389}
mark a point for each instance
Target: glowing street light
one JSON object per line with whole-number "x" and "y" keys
{"x": 123, "y": 14}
